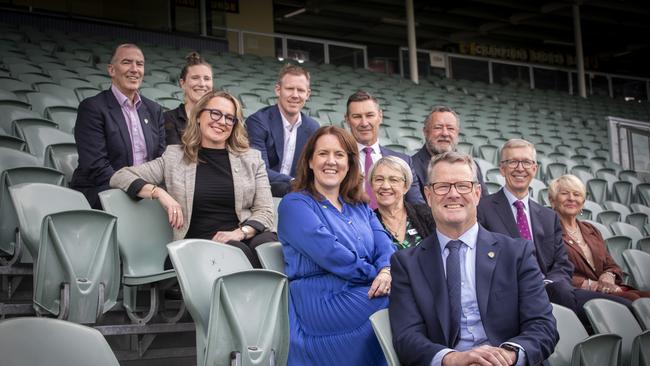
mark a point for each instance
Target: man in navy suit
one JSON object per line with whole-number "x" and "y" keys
{"x": 117, "y": 127}
{"x": 510, "y": 211}
{"x": 466, "y": 295}
{"x": 364, "y": 117}
{"x": 441, "y": 129}
{"x": 280, "y": 132}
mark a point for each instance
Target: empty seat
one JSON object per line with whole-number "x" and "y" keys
{"x": 62, "y": 157}
{"x": 38, "y": 138}
{"x": 381, "y": 325}
{"x": 271, "y": 256}
{"x": 641, "y": 309}
{"x": 43, "y": 341}
{"x": 638, "y": 263}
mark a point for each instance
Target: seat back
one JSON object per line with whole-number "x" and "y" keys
{"x": 597, "y": 190}
{"x": 638, "y": 263}
{"x": 641, "y": 350}
{"x": 571, "y": 333}
{"x": 641, "y": 308}
{"x": 249, "y": 316}
{"x": 78, "y": 252}
{"x": 143, "y": 251}
{"x": 14, "y": 176}
{"x": 607, "y": 316}
{"x": 198, "y": 264}
{"x": 271, "y": 256}
{"x": 44, "y": 341}
{"x": 12, "y": 142}
{"x": 39, "y": 137}
{"x": 622, "y": 192}
{"x": 381, "y": 325}
{"x": 62, "y": 157}
{"x": 598, "y": 350}
{"x": 34, "y": 201}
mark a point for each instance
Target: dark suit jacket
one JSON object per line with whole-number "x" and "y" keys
{"x": 414, "y": 194}
{"x": 175, "y": 123}
{"x": 495, "y": 214}
{"x": 420, "y": 167}
{"x": 512, "y": 301}
{"x": 266, "y": 134}
{"x": 104, "y": 144}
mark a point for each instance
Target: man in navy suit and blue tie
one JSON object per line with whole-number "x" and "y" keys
{"x": 465, "y": 295}
{"x": 364, "y": 117}
{"x": 117, "y": 127}
{"x": 512, "y": 212}
{"x": 280, "y": 131}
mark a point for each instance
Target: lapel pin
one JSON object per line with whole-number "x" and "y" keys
{"x": 491, "y": 254}
{"x": 146, "y": 120}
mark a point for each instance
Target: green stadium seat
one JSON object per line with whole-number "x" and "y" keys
{"x": 641, "y": 309}
{"x": 641, "y": 349}
{"x": 381, "y": 325}
{"x": 271, "y": 256}
{"x": 62, "y": 157}
{"x": 38, "y": 138}
{"x": 12, "y": 142}
{"x": 638, "y": 263}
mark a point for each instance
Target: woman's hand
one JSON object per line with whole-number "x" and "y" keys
{"x": 174, "y": 211}
{"x": 381, "y": 285}
{"x": 226, "y": 236}
{"x": 607, "y": 284}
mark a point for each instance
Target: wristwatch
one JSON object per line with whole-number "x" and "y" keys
{"x": 510, "y": 347}
{"x": 246, "y": 230}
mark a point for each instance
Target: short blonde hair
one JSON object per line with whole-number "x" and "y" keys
{"x": 566, "y": 181}
{"x": 396, "y": 163}
{"x": 237, "y": 142}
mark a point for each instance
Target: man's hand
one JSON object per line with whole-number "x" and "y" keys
{"x": 483, "y": 355}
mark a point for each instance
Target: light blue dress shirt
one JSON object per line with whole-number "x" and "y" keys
{"x": 471, "y": 334}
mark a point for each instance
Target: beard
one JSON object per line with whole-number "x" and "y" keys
{"x": 435, "y": 150}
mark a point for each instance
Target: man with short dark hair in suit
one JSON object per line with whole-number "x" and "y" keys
{"x": 364, "y": 116}
{"x": 465, "y": 295}
{"x": 441, "y": 130}
{"x": 510, "y": 211}
{"x": 117, "y": 127}
{"x": 280, "y": 131}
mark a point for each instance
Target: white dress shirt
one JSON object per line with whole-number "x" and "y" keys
{"x": 376, "y": 155}
{"x": 290, "y": 133}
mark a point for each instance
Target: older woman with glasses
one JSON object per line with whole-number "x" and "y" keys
{"x": 595, "y": 269}
{"x": 216, "y": 187}
{"x": 408, "y": 224}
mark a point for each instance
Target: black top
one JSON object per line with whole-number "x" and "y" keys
{"x": 175, "y": 123}
{"x": 418, "y": 221}
{"x": 214, "y": 196}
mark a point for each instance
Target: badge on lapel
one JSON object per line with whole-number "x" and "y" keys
{"x": 146, "y": 121}
{"x": 491, "y": 254}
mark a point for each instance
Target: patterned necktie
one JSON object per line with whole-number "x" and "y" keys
{"x": 453, "y": 288}
{"x": 522, "y": 222}
{"x": 367, "y": 165}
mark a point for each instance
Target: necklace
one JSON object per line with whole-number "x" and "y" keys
{"x": 401, "y": 224}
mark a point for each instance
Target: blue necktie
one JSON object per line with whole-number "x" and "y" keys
{"x": 453, "y": 287}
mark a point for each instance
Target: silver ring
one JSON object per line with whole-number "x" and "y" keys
{"x": 175, "y": 212}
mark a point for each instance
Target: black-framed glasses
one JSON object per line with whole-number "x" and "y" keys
{"x": 216, "y": 116}
{"x": 442, "y": 188}
{"x": 513, "y": 164}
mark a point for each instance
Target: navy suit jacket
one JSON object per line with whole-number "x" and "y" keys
{"x": 104, "y": 144}
{"x": 420, "y": 166}
{"x": 414, "y": 194}
{"x": 266, "y": 134}
{"x": 495, "y": 214}
{"x": 512, "y": 301}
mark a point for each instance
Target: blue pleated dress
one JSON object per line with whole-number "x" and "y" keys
{"x": 331, "y": 259}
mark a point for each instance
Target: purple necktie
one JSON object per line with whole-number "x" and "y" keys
{"x": 367, "y": 165}
{"x": 522, "y": 222}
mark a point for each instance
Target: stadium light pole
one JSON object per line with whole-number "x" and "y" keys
{"x": 413, "y": 50}
{"x": 577, "y": 33}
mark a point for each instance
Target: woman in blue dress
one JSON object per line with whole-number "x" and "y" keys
{"x": 337, "y": 256}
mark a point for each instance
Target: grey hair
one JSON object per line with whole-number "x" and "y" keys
{"x": 442, "y": 109}
{"x": 514, "y": 143}
{"x": 451, "y": 157}
{"x": 396, "y": 163}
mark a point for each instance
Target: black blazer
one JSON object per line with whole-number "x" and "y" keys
{"x": 175, "y": 123}
{"x": 420, "y": 216}
{"x": 495, "y": 214}
{"x": 104, "y": 144}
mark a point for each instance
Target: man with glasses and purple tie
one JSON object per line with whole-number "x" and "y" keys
{"x": 465, "y": 295}
{"x": 364, "y": 117}
{"x": 510, "y": 211}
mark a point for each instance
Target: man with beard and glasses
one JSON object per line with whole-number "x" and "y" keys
{"x": 441, "y": 129}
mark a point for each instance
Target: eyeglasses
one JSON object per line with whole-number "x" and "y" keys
{"x": 513, "y": 164}
{"x": 216, "y": 116}
{"x": 442, "y": 188}
{"x": 393, "y": 181}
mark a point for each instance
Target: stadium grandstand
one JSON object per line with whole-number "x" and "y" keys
{"x": 570, "y": 76}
